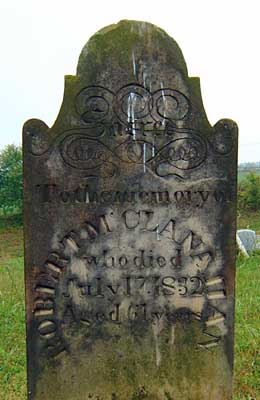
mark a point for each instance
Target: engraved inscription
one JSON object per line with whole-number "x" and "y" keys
{"x": 131, "y": 103}
{"x": 94, "y": 104}
{"x": 82, "y": 151}
{"x": 170, "y": 105}
{"x": 183, "y": 153}
{"x": 145, "y": 124}
{"x": 97, "y": 284}
{"x": 84, "y": 194}
{"x": 44, "y": 304}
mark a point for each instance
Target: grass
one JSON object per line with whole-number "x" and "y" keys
{"x": 247, "y": 339}
{"x": 12, "y": 329}
{"x": 10, "y": 220}
{"x": 11, "y": 243}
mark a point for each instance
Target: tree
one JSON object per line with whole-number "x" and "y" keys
{"x": 11, "y": 173}
{"x": 249, "y": 192}
{"x": 253, "y": 191}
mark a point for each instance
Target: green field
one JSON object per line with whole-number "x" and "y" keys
{"x": 12, "y": 329}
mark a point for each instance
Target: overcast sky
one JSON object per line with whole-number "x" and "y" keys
{"x": 41, "y": 41}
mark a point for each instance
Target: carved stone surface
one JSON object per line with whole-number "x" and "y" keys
{"x": 248, "y": 239}
{"x": 130, "y": 211}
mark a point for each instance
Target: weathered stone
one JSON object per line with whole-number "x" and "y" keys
{"x": 130, "y": 212}
{"x": 248, "y": 239}
{"x": 241, "y": 247}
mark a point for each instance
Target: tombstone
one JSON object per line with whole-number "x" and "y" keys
{"x": 241, "y": 247}
{"x": 130, "y": 214}
{"x": 248, "y": 239}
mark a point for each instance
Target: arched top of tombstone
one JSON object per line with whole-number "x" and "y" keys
{"x": 131, "y": 45}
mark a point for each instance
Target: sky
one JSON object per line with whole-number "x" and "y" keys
{"x": 41, "y": 40}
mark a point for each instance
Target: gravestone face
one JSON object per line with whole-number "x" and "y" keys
{"x": 130, "y": 210}
{"x": 248, "y": 239}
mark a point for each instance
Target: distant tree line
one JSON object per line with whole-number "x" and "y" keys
{"x": 249, "y": 166}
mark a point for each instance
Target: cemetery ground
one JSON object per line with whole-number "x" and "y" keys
{"x": 12, "y": 328}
